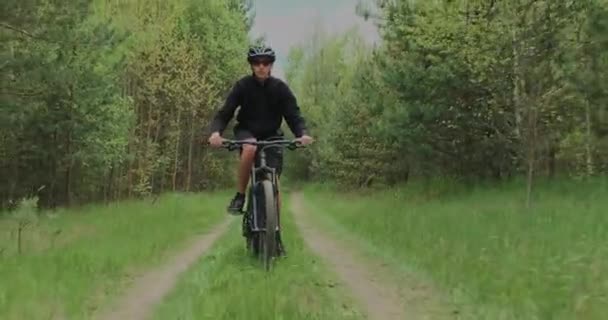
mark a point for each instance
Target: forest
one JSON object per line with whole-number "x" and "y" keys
{"x": 470, "y": 90}
{"x": 110, "y": 99}
{"x": 104, "y": 100}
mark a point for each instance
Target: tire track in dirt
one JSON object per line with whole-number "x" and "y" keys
{"x": 381, "y": 299}
{"x": 151, "y": 287}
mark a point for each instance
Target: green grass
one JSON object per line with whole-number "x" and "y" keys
{"x": 484, "y": 247}
{"x": 73, "y": 261}
{"x": 230, "y": 285}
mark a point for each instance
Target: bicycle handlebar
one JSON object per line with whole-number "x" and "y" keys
{"x": 234, "y": 144}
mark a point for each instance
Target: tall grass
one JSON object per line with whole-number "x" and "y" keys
{"x": 72, "y": 261}
{"x": 549, "y": 262}
{"x": 230, "y": 285}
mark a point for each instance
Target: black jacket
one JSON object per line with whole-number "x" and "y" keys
{"x": 263, "y": 107}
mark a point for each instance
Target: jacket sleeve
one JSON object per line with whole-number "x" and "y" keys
{"x": 291, "y": 112}
{"x": 226, "y": 112}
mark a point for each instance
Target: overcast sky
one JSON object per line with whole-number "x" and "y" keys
{"x": 289, "y": 22}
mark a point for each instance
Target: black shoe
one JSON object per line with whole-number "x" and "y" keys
{"x": 236, "y": 205}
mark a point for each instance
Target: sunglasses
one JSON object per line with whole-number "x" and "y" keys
{"x": 265, "y": 63}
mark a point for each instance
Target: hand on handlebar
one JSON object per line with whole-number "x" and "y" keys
{"x": 305, "y": 140}
{"x": 216, "y": 140}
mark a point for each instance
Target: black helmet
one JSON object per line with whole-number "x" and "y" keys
{"x": 261, "y": 51}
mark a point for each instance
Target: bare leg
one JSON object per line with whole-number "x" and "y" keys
{"x": 247, "y": 158}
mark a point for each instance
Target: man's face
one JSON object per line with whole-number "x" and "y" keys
{"x": 261, "y": 68}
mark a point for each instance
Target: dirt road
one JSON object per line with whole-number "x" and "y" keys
{"x": 381, "y": 299}
{"x": 150, "y": 288}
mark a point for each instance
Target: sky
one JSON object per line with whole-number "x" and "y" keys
{"x": 286, "y": 23}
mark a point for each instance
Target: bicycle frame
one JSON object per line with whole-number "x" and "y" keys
{"x": 266, "y": 171}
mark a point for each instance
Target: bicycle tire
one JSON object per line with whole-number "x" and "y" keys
{"x": 270, "y": 208}
{"x": 250, "y": 237}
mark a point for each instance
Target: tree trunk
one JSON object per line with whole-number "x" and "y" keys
{"x": 552, "y": 161}
{"x": 589, "y": 140}
{"x": 518, "y": 92}
{"x": 130, "y": 172}
{"x": 14, "y": 181}
{"x": 108, "y": 195}
{"x": 68, "y": 171}
{"x": 190, "y": 148}
{"x": 146, "y": 162}
{"x": 516, "y": 86}
{"x": 531, "y": 151}
{"x": 119, "y": 183}
{"x": 50, "y": 201}
{"x": 162, "y": 171}
{"x": 68, "y": 152}
{"x": 176, "y": 155}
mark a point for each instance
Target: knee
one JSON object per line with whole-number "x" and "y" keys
{"x": 249, "y": 151}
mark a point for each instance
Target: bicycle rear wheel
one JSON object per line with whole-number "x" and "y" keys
{"x": 269, "y": 237}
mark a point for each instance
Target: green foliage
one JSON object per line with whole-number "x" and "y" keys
{"x": 104, "y": 100}
{"x": 342, "y": 92}
{"x": 473, "y": 89}
{"x": 109, "y": 99}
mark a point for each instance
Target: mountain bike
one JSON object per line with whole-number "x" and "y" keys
{"x": 261, "y": 226}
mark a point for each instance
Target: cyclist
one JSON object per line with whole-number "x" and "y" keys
{"x": 264, "y": 101}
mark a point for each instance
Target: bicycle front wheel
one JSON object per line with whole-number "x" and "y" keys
{"x": 270, "y": 210}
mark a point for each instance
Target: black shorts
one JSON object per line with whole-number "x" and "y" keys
{"x": 274, "y": 155}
